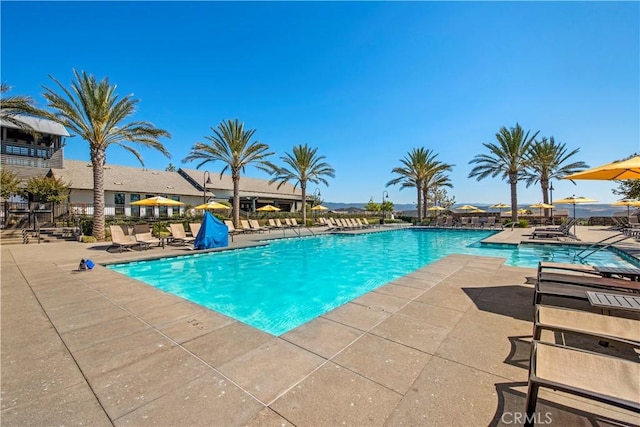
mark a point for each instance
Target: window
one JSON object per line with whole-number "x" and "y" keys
{"x": 135, "y": 210}
{"x": 118, "y": 199}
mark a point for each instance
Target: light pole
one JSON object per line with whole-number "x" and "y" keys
{"x": 316, "y": 198}
{"x": 385, "y": 194}
{"x": 551, "y": 201}
{"x": 207, "y": 180}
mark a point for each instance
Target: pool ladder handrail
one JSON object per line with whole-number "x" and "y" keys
{"x": 602, "y": 244}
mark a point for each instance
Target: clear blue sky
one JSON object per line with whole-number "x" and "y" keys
{"x": 365, "y": 82}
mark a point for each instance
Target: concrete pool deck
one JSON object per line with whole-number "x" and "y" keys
{"x": 445, "y": 345}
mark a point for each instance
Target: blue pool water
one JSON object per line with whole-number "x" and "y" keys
{"x": 288, "y": 282}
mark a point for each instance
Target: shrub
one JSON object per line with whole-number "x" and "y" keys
{"x": 88, "y": 239}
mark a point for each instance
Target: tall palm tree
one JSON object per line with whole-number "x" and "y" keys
{"x": 232, "y": 145}
{"x": 304, "y": 166}
{"x": 11, "y": 106}
{"x": 92, "y": 110}
{"x": 507, "y": 158}
{"x": 419, "y": 166}
{"x": 546, "y": 160}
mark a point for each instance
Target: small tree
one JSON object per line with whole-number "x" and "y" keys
{"x": 9, "y": 184}
{"x": 48, "y": 189}
{"x": 372, "y": 206}
{"x": 170, "y": 168}
{"x": 387, "y": 206}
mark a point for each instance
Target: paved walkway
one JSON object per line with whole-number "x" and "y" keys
{"x": 445, "y": 345}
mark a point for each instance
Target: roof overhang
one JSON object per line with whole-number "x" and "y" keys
{"x": 36, "y": 124}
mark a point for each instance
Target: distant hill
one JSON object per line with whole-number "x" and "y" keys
{"x": 582, "y": 211}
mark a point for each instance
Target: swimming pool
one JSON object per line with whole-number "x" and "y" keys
{"x": 288, "y": 282}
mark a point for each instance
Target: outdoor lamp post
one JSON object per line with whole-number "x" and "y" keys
{"x": 385, "y": 194}
{"x": 207, "y": 180}
{"x": 551, "y": 200}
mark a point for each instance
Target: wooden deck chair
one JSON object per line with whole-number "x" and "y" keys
{"x": 464, "y": 221}
{"x": 448, "y": 221}
{"x": 599, "y": 377}
{"x": 475, "y": 222}
{"x": 280, "y": 224}
{"x": 121, "y": 240}
{"x": 294, "y": 223}
{"x": 179, "y": 235}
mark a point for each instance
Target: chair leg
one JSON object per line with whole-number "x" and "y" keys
{"x": 532, "y": 399}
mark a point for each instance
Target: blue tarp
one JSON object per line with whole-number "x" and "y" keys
{"x": 213, "y": 233}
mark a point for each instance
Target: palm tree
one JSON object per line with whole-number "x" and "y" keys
{"x": 546, "y": 161}
{"x": 507, "y": 158}
{"x": 304, "y": 166}
{"x": 92, "y": 110}
{"x": 419, "y": 167}
{"x": 11, "y": 106}
{"x": 232, "y": 145}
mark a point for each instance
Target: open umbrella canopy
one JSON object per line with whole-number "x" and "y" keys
{"x": 319, "y": 208}
{"x": 478, "y": 211}
{"x": 268, "y": 208}
{"x": 500, "y": 206}
{"x": 523, "y": 211}
{"x": 467, "y": 208}
{"x": 436, "y": 208}
{"x": 574, "y": 200}
{"x": 625, "y": 169}
{"x": 157, "y": 201}
{"x": 628, "y": 203}
{"x": 542, "y": 206}
{"x": 212, "y": 205}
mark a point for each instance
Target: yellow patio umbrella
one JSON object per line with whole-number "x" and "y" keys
{"x": 523, "y": 211}
{"x": 573, "y": 200}
{"x": 157, "y": 201}
{"x": 627, "y": 203}
{"x": 466, "y": 208}
{"x": 542, "y": 206}
{"x": 477, "y": 211}
{"x": 269, "y": 208}
{"x": 500, "y": 206}
{"x": 625, "y": 169}
{"x": 436, "y": 208}
{"x": 212, "y": 205}
{"x": 319, "y": 208}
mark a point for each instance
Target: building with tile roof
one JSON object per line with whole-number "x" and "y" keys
{"x": 37, "y": 150}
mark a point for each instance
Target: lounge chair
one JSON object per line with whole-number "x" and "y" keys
{"x": 232, "y": 229}
{"x": 294, "y": 223}
{"x": 464, "y": 221}
{"x": 146, "y": 240}
{"x": 491, "y": 222}
{"x": 194, "y": 227}
{"x": 475, "y": 222}
{"x": 121, "y": 240}
{"x": 594, "y": 376}
{"x": 448, "y": 222}
{"x": 179, "y": 235}
{"x": 279, "y": 224}
{"x": 576, "y": 287}
{"x": 563, "y": 230}
{"x": 634, "y": 222}
{"x": 565, "y": 320}
{"x": 255, "y": 226}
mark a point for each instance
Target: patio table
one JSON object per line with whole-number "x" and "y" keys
{"x": 629, "y": 272}
{"x": 615, "y": 301}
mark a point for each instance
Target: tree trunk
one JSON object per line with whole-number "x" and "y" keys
{"x": 235, "y": 176}
{"x": 425, "y": 201}
{"x": 513, "y": 181}
{"x": 545, "y": 196}
{"x": 303, "y": 190}
{"x": 97, "y": 161}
